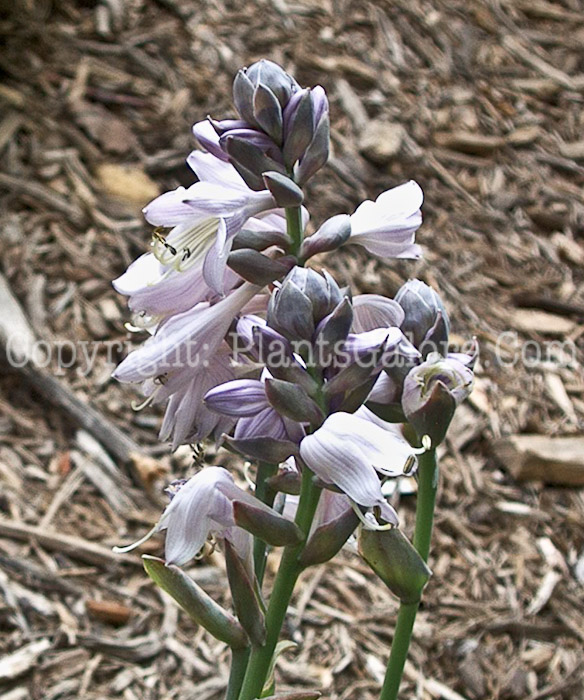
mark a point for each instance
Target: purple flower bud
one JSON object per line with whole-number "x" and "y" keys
{"x": 306, "y": 132}
{"x": 268, "y": 112}
{"x": 240, "y": 397}
{"x": 302, "y": 301}
{"x": 284, "y": 190}
{"x": 291, "y": 401}
{"x": 426, "y": 321}
{"x": 431, "y": 393}
{"x": 274, "y": 77}
{"x": 317, "y": 153}
{"x": 257, "y": 268}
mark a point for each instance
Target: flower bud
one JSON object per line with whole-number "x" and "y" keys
{"x": 274, "y": 77}
{"x": 263, "y": 449}
{"x": 330, "y": 236}
{"x": 265, "y": 523}
{"x": 268, "y": 112}
{"x": 243, "y": 595}
{"x": 291, "y": 401}
{"x": 195, "y": 602}
{"x": 257, "y": 268}
{"x": 327, "y": 539}
{"x": 335, "y": 327}
{"x": 250, "y": 161}
{"x": 284, "y": 190}
{"x": 302, "y": 301}
{"x": 397, "y": 563}
{"x": 317, "y": 154}
{"x": 426, "y": 322}
{"x": 431, "y": 393}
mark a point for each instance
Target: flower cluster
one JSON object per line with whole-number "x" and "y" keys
{"x": 272, "y": 358}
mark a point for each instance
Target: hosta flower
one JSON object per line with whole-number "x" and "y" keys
{"x": 185, "y": 341}
{"x": 199, "y": 507}
{"x": 191, "y": 260}
{"x": 349, "y": 452}
{"x": 185, "y": 358}
{"x": 187, "y": 419}
{"x": 387, "y": 226}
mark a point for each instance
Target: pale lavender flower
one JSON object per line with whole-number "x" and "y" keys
{"x": 199, "y": 507}
{"x": 387, "y": 226}
{"x": 185, "y": 341}
{"x": 349, "y": 452}
{"x": 182, "y": 361}
{"x": 186, "y": 418}
{"x": 191, "y": 260}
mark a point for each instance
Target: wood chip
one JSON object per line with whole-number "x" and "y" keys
{"x": 530, "y": 321}
{"x": 109, "y": 611}
{"x": 381, "y": 141}
{"x": 540, "y": 458}
{"x": 23, "y": 660}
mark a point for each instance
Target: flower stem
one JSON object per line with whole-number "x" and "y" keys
{"x": 239, "y": 658}
{"x": 266, "y": 495}
{"x": 427, "y": 487}
{"x": 259, "y": 662}
{"x": 294, "y": 228}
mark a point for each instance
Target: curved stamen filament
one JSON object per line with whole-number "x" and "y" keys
{"x": 369, "y": 524}
{"x": 182, "y": 251}
{"x": 130, "y": 547}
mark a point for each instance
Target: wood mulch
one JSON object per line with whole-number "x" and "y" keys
{"x": 481, "y": 103}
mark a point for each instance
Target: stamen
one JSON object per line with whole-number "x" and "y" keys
{"x": 247, "y": 477}
{"x": 367, "y": 523}
{"x": 130, "y": 547}
{"x": 140, "y": 406}
{"x": 186, "y": 248}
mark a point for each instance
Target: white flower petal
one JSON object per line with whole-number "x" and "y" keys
{"x": 208, "y": 168}
{"x": 387, "y": 226}
{"x": 169, "y": 209}
{"x": 187, "y": 518}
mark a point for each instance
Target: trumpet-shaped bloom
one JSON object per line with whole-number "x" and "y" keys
{"x": 349, "y": 452}
{"x": 387, "y": 226}
{"x": 191, "y": 260}
{"x": 199, "y": 507}
{"x": 182, "y": 361}
{"x": 185, "y": 341}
